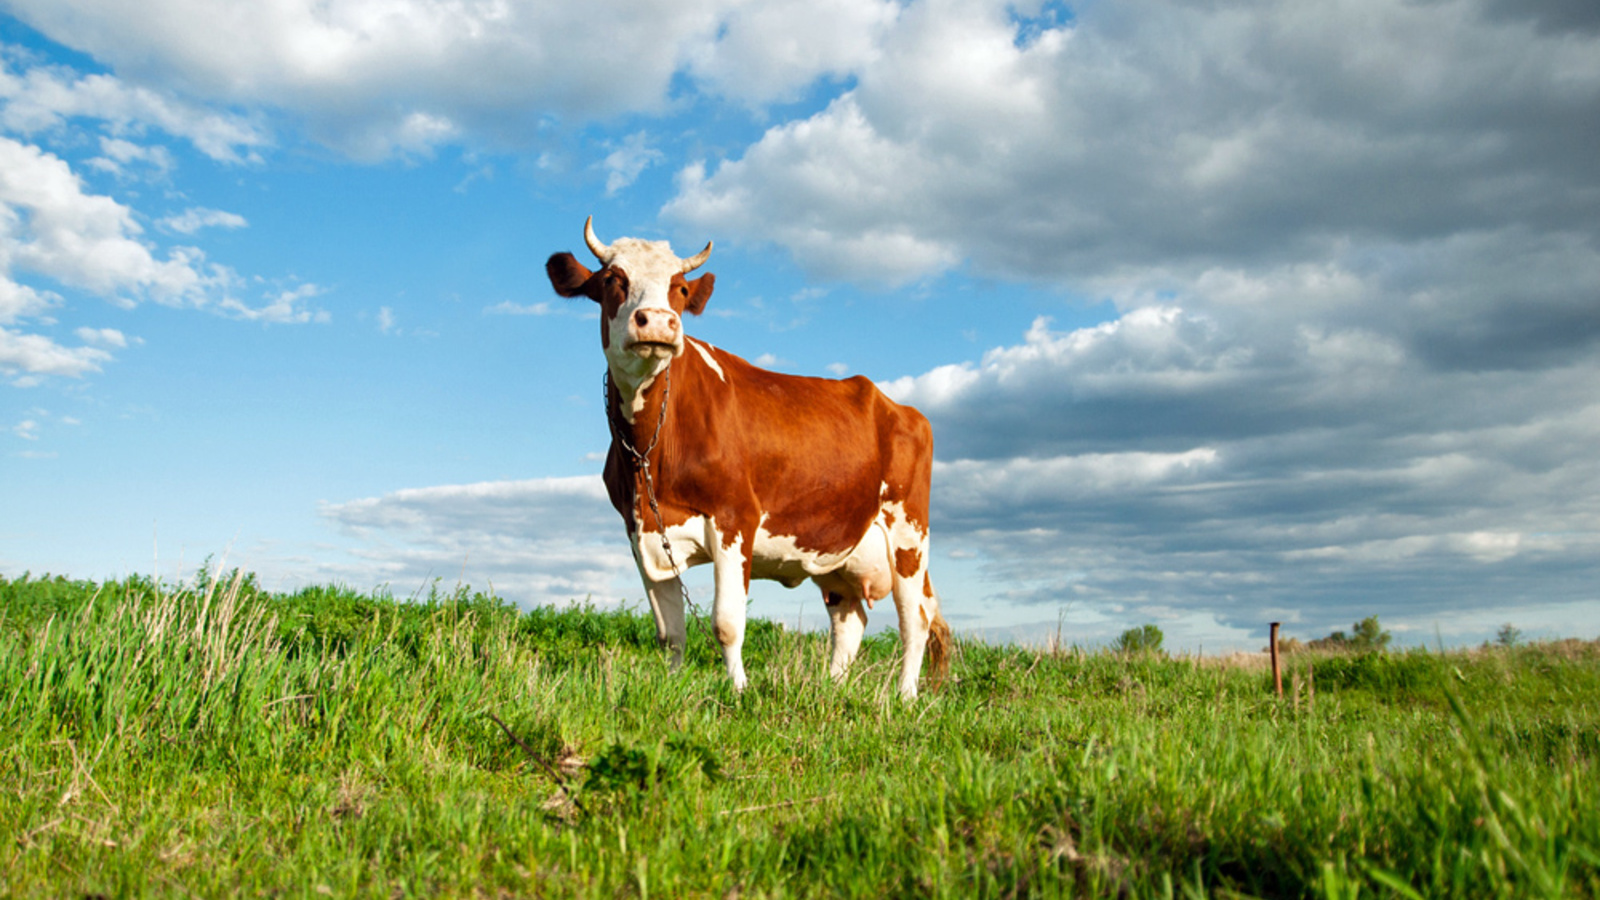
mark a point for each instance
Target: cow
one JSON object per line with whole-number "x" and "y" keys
{"x": 761, "y": 474}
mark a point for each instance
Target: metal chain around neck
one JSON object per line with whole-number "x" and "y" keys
{"x": 642, "y": 465}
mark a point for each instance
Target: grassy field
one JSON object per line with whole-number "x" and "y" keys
{"x": 213, "y": 740}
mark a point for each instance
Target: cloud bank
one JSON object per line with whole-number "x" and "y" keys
{"x": 550, "y": 540}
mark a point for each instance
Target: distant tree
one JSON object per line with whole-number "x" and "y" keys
{"x": 1369, "y": 636}
{"x": 1144, "y": 639}
{"x": 1508, "y": 636}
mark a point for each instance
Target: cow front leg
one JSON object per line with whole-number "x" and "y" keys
{"x": 666, "y": 604}
{"x": 731, "y": 565}
{"x": 848, "y": 621}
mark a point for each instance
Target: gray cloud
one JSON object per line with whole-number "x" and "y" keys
{"x": 1163, "y": 462}
{"x": 1172, "y": 134}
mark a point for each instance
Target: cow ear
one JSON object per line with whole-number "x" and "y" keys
{"x": 567, "y": 275}
{"x": 699, "y": 293}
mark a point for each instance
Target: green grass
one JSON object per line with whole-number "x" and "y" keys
{"x": 215, "y": 740}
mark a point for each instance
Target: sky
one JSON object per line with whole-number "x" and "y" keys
{"x": 1223, "y": 312}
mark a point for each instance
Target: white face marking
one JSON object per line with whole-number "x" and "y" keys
{"x": 650, "y": 266}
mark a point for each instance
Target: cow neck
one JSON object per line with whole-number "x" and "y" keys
{"x": 640, "y": 436}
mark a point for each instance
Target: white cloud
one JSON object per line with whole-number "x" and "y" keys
{"x": 550, "y": 540}
{"x": 624, "y": 164}
{"x": 52, "y": 231}
{"x": 44, "y": 99}
{"x": 105, "y": 337}
{"x": 27, "y": 429}
{"x": 88, "y": 241}
{"x": 385, "y": 320}
{"x": 28, "y": 357}
{"x": 827, "y": 212}
{"x": 118, "y": 157}
{"x": 285, "y": 307}
{"x": 195, "y": 218}
{"x": 509, "y": 308}
{"x": 398, "y": 78}
{"x": 772, "y": 50}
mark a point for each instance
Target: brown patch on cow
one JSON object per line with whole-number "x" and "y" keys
{"x": 927, "y": 585}
{"x": 907, "y": 562}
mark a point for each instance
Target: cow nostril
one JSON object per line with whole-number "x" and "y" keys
{"x": 640, "y": 319}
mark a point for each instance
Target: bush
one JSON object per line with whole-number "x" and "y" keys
{"x": 1144, "y": 639}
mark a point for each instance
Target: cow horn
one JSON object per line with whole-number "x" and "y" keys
{"x": 697, "y": 260}
{"x": 600, "y": 251}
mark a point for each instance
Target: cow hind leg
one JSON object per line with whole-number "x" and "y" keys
{"x": 923, "y": 630}
{"x": 849, "y": 622}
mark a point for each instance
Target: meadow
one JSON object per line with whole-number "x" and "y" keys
{"x": 212, "y": 739}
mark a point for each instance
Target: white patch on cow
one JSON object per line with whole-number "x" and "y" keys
{"x": 779, "y": 557}
{"x": 705, "y": 353}
{"x": 904, "y": 534}
{"x": 688, "y": 543}
{"x": 864, "y": 572}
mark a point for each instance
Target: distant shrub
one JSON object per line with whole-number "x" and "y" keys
{"x": 1287, "y": 645}
{"x": 1508, "y": 636}
{"x": 1383, "y": 672}
{"x": 1144, "y": 639}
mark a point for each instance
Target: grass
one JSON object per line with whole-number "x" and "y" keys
{"x": 213, "y": 739}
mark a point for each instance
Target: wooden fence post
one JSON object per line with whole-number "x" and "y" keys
{"x": 1277, "y": 671}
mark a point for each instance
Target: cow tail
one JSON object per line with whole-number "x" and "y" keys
{"x": 941, "y": 647}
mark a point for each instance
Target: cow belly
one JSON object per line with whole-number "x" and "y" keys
{"x": 861, "y": 572}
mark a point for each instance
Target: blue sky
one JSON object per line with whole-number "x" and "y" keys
{"x": 1223, "y": 313}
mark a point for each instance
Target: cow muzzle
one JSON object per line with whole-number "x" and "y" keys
{"x": 654, "y": 334}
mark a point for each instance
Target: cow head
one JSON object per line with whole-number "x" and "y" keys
{"x": 643, "y": 295}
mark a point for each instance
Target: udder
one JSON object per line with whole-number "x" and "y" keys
{"x": 864, "y": 575}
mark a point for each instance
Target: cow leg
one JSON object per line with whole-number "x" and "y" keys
{"x": 849, "y": 623}
{"x": 917, "y": 607}
{"x": 666, "y": 603}
{"x": 731, "y": 568}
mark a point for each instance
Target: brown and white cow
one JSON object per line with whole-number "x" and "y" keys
{"x": 762, "y": 475}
